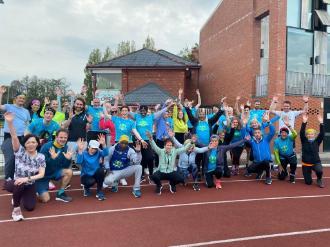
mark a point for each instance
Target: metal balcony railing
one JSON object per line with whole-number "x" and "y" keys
{"x": 261, "y": 85}
{"x": 298, "y": 83}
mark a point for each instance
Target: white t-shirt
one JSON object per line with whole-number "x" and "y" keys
{"x": 291, "y": 118}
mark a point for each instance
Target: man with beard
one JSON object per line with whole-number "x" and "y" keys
{"x": 21, "y": 121}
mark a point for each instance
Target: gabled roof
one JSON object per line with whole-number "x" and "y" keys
{"x": 148, "y": 94}
{"x": 146, "y": 58}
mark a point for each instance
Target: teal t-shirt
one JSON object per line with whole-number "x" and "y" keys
{"x": 203, "y": 132}
{"x": 144, "y": 124}
{"x": 284, "y": 146}
{"x": 123, "y": 127}
{"x": 40, "y": 129}
{"x": 212, "y": 164}
{"x": 95, "y": 112}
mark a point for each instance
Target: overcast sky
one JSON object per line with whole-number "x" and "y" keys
{"x": 53, "y": 38}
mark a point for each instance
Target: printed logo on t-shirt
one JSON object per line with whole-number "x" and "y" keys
{"x": 142, "y": 123}
{"x": 122, "y": 127}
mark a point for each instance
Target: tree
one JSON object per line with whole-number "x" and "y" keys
{"x": 187, "y": 53}
{"x": 125, "y": 47}
{"x": 108, "y": 54}
{"x": 149, "y": 43}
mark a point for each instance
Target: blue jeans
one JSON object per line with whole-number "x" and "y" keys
{"x": 191, "y": 169}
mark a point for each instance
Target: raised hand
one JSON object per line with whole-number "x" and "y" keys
{"x": 81, "y": 145}
{"x": 305, "y": 98}
{"x": 197, "y": 91}
{"x": 320, "y": 118}
{"x": 180, "y": 91}
{"x": 247, "y": 137}
{"x": 223, "y": 99}
{"x": 68, "y": 154}
{"x": 58, "y": 91}
{"x": 170, "y": 132}
{"x": 46, "y": 101}
{"x": 248, "y": 103}
{"x": 245, "y": 120}
{"x": 238, "y": 98}
{"x": 144, "y": 144}
{"x": 101, "y": 139}
{"x": 2, "y": 89}
{"x": 9, "y": 117}
{"x": 286, "y": 120}
{"x": 265, "y": 117}
{"x": 304, "y": 117}
{"x": 275, "y": 98}
{"x": 89, "y": 118}
{"x": 149, "y": 135}
{"x": 53, "y": 153}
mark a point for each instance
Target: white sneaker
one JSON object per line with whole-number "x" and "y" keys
{"x": 146, "y": 171}
{"x": 51, "y": 186}
{"x": 123, "y": 181}
{"x": 17, "y": 214}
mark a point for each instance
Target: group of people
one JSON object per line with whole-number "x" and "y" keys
{"x": 175, "y": 141}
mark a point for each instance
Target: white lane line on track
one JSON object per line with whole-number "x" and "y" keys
{"x": 284, "y": 234}
{"x": 171, "y": 206}
{"x": 148, "y": 185}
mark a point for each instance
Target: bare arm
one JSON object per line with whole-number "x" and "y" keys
{"x": 199, "y": 102}
{"x": 9, "y": 117}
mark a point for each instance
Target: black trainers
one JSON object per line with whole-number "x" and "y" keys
{"x": 268, "y": 181}
{"x": 196, "y": 187}
{"x": 172, "y": 188}
{"x": 159, "y": 190}
{"x": 63, "y": 197}
{"x": 292, "y": 179}
{"x": 320, "y": 183}
{"x": 75, "y": 167}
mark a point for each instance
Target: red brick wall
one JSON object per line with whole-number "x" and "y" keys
{"x": 170, "y": 80}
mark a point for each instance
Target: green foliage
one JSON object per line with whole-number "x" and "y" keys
{"x": 186, "y": 53}
{"x": 149, "y": 43}
{"x": 125, "y": 47}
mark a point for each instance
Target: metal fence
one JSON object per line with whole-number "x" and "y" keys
{"x": 298, "y": 83}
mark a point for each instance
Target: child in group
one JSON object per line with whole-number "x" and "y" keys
{"x": 284, "y": 152}
{"x": 91, "y": 170}
{"x": 310, "y": 151}
{"x": 167, "y": 168}
{"x": 187, "y": 160}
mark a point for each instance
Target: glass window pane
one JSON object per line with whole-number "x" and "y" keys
{"x": 293, "y": 13}
{"x": 299, "y": 50}
{"x": 109, "y": 81}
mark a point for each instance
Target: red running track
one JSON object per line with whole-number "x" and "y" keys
{"x": 241, "y": 209}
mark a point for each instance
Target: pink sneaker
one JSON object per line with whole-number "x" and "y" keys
{"x": 51, "y": 186}
{"x": 218, "y": 184}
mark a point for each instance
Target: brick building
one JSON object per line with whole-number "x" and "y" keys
{"x": 145, "y": 67}
{"x": 262, "y": 48}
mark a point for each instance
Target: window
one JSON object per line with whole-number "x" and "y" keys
{"x": 109, "y": 81}
{"x": 328, "y": 58}
{"x": 293, "y": 13}
{"x": 299, "y": 50}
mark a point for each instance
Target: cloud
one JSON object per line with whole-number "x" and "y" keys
{"x": 53, "y": 39}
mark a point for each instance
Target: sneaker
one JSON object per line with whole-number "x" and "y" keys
{"x": 320, "y": 183}
{"x": 114, "y": 188}
{"x": 292, "y": 179}
{"x": 63, "y": 197}
{"x": 67, "y": 187}
{"x": 137, "y": 193}
{"x": 51, "y": 186}
{"x": 196, "y": 187}
{"x": 146, "y": 171}
{"x": 247, "y": 174}
{"x": 123, "y": 181}
{"x": 100, "y": 196}
{"x": 87, "y": 192}
{"x": 172, "y": 188}
{"x": 75, "y": 167}
{"x": 17, "y": 214}
{"x": 218, "y": 184}
{"x": 268, "y": 181}
{"x": 159, "y": 190}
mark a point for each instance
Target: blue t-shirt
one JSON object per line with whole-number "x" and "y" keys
{"x": 203, "y": 132}
{"x": 144, "y": 124}
{"x": 212, "y": 163}
{"x": 284, "y": 146}
{"x": 40, "y": 129}
{"x": 256, "y": 114}
{"x": 21, "y": 119}
{"x": 90, "y": 163}
{"x": 123, "y": 127}
{"x": 222, "y": 123}
{"x": 95, "y": 112}
{"x": 35, "y": 116}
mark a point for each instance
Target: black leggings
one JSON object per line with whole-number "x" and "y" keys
{"x": 174, "y": 177}
{"x": 307, "y": 172}
{"x": 25, "y": 193}
{"x": 180, "y": 137}
{"x": 218, "y": 172}
{"x": 147, "y": 159}
{"x": 259, "y": 167}
{"x": 292, "y": 160}
{"x": 98, "y": 178}
{"x": 236, "y": 155}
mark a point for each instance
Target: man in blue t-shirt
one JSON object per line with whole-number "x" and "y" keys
{"x": 44, "y": 128}
{"x": 21, "y": 120}
{"x": 95, "y": 111}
